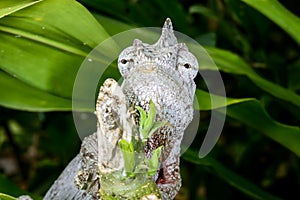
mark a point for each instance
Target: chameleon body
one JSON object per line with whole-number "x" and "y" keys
{"x": 162, "y": 72}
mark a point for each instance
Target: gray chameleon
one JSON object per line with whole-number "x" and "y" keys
{"x": 163, "y": 72}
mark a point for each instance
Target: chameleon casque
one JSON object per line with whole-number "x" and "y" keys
{"x": 162, "y": 72}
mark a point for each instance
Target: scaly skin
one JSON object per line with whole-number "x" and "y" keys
{"x": 164, "y": 73}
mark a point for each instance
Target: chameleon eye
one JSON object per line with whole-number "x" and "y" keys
{"x": 187, "y": 65}
{"x": 124, "y": 61}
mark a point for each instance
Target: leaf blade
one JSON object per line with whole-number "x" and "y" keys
{"x": 250, "y": 112}
{"x": 229, "y": 176}
{"x": 49, "y": 42}
{"x": 278, "y": 14}
{"x": 9, "y": 7}
{"x": 17, "y": 95}
{"x": 232, "y": 63}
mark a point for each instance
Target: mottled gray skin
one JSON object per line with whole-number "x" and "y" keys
{"x": 164, "y": 73}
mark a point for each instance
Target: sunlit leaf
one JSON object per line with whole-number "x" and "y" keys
{"x": 8, "y": 7}
{"x": 45, "y": 43}
{"x": 6, "y": 197}
{"x": 128, "y": 155}
{"x": 154, "y": 163}
{"x": 205, "y": 98}
{"x": 149, "y": 121}
{"x": 18, "y": 95}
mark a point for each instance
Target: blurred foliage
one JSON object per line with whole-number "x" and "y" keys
{"x": 254, "y": 43}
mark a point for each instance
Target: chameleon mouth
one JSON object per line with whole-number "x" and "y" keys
{"x": 148, "y": 68}
{"x": 151, "y": 74}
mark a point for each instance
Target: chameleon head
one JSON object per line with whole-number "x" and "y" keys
{"x": 166, "y": 56}
{"x": 162, "y": 72}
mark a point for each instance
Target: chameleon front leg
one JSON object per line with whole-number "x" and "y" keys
{"x": 64, "y": 187}
{"x": 169, "y": 179}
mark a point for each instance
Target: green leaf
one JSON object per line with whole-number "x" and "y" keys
{"x": 154, "y": 163}
{"x": 147, "y": 121}
{"x": 254, "y": 115}
{"x": 250, "y": 112}
{"x": 126, "y": 146}
{"x": 137, "y": 14}
{"x": 278, "y": 14}
{"x": 6, "y": 197}
{"x": 18, "y": 95}
{"x": 143, "y": 118}
{"x": 156, "y": 126}
{"x": 45, "y": 43}
{"x": 205, "y": 101}
{"x": 208, "y": 39}
{"x": 203, "y": 10}
{"x": 8, "y": 7}
{"x": 232, "y": 63}
{"x": 150, "y": 118}
{"x": 229, "y": 176}
{"x": 143, "y": 115}
{"x": 128, "y": 155}
{"x": 112, "y": 26}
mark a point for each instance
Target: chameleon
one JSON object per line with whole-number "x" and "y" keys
{"x": 162, "y": 72}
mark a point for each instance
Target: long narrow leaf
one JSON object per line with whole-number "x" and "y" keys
{"x": 6, "y": 197}
{"x": 278, "y": 14}
{"x": 254, "y": 115}
{"x": 9, "y": 7}
{"x": 229, "y": 176}
{"x": 45, "y": 43}
{"x": 205, "y": 98}
{"x": 232, "y": 63}
{"x": 18, "y": 95}
{"x": 250, "y": 112}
